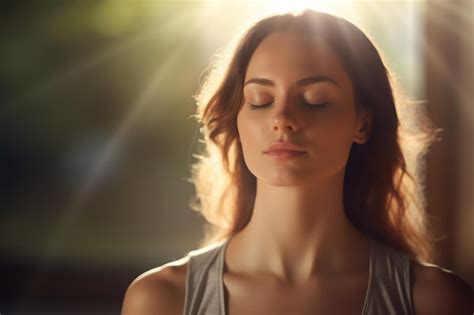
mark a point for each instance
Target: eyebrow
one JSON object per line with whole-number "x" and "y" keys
{"x": 302, "y": 82}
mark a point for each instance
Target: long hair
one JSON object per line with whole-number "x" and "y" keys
{"x": 381, "y": 197}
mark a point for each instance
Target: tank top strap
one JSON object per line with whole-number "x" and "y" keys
{"x": 389, "y": 290}
{"x": 204, "y": 291}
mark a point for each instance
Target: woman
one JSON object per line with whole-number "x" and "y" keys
{"x": 306, "y": 186}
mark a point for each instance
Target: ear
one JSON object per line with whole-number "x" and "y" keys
{"x": 364, "y": 126}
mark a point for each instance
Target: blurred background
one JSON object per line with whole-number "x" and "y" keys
{"x": 97, "y": 135}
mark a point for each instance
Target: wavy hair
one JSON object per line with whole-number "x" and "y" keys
{"x": 381, "y": 197}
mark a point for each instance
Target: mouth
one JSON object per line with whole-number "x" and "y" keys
{"x": 284, "y": 146}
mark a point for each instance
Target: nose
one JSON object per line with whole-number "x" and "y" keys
{"x": 284, "y": 121}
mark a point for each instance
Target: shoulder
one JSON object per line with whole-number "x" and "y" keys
{"x": 158, "y": 291}
{"x": 440, "y": 291}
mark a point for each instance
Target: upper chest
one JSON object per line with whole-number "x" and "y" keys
{"x": 324, "y": 295}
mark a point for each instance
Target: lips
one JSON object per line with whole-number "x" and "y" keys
{"x": 284, "y": 146}
{"x": 282, "y": 151}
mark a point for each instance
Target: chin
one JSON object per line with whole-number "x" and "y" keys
{"x": 283, "y": 175}
{"x": 285, "y": 179}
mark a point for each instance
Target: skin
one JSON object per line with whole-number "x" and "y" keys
{"x": 298, "y": 252}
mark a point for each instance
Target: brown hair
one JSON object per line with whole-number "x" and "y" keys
{"x": 380, "y": 195}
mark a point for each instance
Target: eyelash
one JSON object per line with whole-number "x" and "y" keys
{"x": 257, "y": 107}
{"x": 308, "y": 105}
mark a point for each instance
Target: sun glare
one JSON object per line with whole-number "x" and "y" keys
{"x": 283, "y": 6}
{"x": 259, "y": 8}
{"x": 287, "y": 6}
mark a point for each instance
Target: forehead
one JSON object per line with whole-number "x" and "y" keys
{"x": 288, "y": 56}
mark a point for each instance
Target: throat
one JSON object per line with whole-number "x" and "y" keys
{"x": 295, "y": 262}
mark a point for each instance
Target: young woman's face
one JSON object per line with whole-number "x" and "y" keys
{"x": 297, "y": 92}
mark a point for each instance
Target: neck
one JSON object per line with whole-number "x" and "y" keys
{"x": 300, "y": 231}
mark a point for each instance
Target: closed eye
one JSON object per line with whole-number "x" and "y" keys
{"x": 260, "y": 106}
{"x": 308, "y": 105}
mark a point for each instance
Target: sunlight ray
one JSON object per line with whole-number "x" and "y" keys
{"x": 55, "y": 81}
{"x": 406, "y": 67}
{"x": 61, "y": 225}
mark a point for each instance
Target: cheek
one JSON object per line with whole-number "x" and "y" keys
{"x": 333, "y": 136}
{"x": 250, "y": 134}
{"x": 245, "y": 134}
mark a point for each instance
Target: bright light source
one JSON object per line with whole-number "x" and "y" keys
{"x": 236, "y": 15}
{"x": 280, "y": 6}
{"x": 284, "y": 6}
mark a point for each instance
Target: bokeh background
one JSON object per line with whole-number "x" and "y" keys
{"x": 97, "y": 134}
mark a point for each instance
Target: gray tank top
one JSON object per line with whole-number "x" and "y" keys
{"x": 388, "y": 291}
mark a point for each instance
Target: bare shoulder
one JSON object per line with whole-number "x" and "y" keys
{"x": 158, "y": 291}
{"x": 440, "y": 291}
